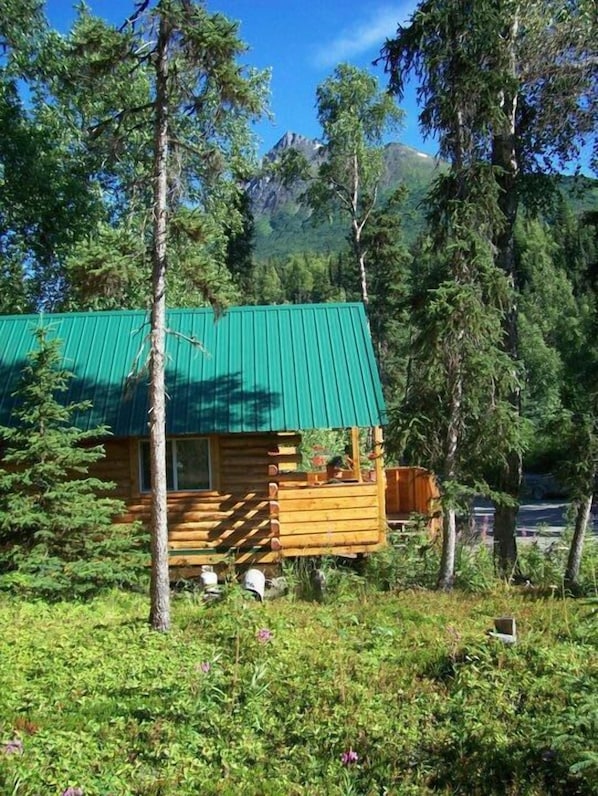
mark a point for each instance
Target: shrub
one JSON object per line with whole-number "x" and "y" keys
{"x": 408, "y": 560}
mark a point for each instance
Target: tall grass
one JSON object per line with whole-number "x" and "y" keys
{"x": 383, "y": 687}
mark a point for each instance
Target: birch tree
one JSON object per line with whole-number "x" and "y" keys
{"x": 355, "y": 116}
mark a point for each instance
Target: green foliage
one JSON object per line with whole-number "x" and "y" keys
{"x": 410, "y": 682}
{"x": 503, "y": 105}
{"x": 409, "y": 560}
{"x": 47, "y": 201}
{"x": 343, "y": 174}
{"x": 545, "y": 562}
{"x": 318, "y": 446}
{"x": 354, "y": 116}
{"x": 210, "y": 102}
{"x": 114, "y": 556}
{"x": 56, "y": 533}
{"x": 558, "y": 325}
{"x": 484, "y": 57}
{"x": 389, "y": 264}
{"x": 302, "y": 279}
{"x": 458, "y": 369}
{"x": 76, "y": 168}
{"x": 549, "y": 322}
{"x": 107, "y": 270}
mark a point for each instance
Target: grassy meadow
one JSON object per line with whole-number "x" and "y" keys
{"x": 370, "y": 692}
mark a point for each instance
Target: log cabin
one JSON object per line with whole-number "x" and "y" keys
{"x": 241, "y": 389}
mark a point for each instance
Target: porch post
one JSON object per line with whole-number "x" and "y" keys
{"x": 355, "y": 453}
{"x": 380, "y": 479}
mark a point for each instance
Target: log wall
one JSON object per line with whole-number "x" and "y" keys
{"x": 116, "y": 467}
{"x": 232, "y": 517}
{"x": 260, "y": 508}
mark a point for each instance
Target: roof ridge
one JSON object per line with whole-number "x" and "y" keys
{"x": 234, "y": 308}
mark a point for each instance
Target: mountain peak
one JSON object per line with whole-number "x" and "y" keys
{"x": 292, "y": 140}
{"x": 280, "y": 210}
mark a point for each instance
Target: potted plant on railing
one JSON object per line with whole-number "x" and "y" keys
{"x": 334, "y": 470}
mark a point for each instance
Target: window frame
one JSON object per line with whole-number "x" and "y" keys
{"x": 172, "y": 464}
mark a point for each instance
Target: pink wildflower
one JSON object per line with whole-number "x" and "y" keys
{"x": 13, "y": 747}
{"x": 349, "y": 757}
{"x": 264, "y": 635}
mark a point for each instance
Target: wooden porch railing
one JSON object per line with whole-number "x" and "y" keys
{"x": 341, "y": 518}
{"x": 412, "y": 490}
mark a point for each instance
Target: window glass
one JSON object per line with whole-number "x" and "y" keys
{"x": 187, "y": 465}
{"x": 144, "y": 467}
{"x": 192, "y": 464}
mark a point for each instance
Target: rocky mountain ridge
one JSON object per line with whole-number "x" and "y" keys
{"x": 282, "y": 221}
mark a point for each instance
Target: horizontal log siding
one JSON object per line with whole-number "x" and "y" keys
{"x": 247, "y": 512}
{"x": 205, "y": 526}
{"x": 331, "y": 518}
{"x": 115, "y": 467}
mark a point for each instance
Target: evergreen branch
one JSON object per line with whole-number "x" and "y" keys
{"x": 96, "y": 130}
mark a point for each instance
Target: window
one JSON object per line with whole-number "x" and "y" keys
{"x": 187, "y": 465}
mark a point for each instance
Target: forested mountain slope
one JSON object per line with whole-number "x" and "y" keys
{"x": 284, "y": 223}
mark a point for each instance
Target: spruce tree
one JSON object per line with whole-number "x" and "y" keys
{"x": 451, "y": 417}
{"x": 171, "y": 69}
{"x": 509, "y": 87}
{"x": 56, "y": 534}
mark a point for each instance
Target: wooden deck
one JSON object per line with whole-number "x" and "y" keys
{"x": 336, "y": 518}
{"x": 412, "y": 491}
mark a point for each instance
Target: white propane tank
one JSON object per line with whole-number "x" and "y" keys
{"x": 255, "y": 581}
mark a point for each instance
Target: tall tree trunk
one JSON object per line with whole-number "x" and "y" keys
{"x": 582, "y": 517}
{"x": 505, "y": 522}
{"x": 360, "y": 255}
{"x": 160, "y": 581}
{"x": 363, "y": 279}
{"x": 446, "y": 573}
{"x": 504, "y": 157}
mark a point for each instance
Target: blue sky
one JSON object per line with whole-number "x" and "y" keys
{"x": 301, "y": 43}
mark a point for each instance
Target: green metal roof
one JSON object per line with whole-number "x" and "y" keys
{"x": 274, "y": 368}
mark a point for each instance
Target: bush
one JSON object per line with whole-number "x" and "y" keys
{"x": 410, "y": 559}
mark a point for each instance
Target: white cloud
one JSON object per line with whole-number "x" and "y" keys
{"x": 363, "y": 35}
